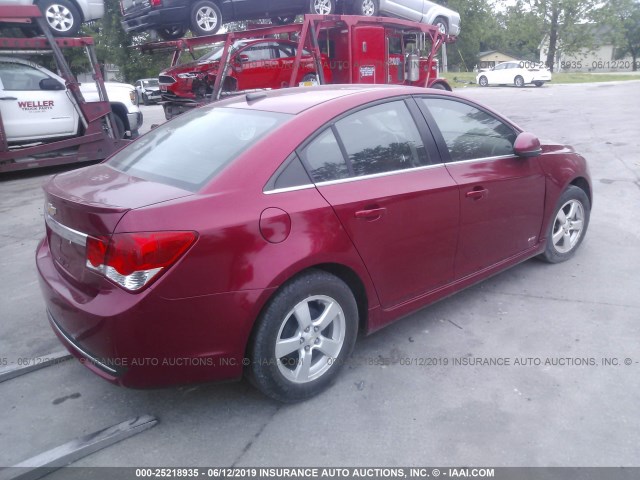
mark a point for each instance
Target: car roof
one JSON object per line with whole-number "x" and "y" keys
{"x": 296, "y": 100}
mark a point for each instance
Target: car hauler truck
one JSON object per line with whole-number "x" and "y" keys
{"x": 346, "y": 49}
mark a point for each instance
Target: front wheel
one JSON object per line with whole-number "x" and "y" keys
{"x": 569, "y": 225}
{"x": 368, "y": 8}
{"x": 483, "y": 81}
{"x": 322, "y": 7}
{"x": 206, "y": 18}
{"x": 303, "y": 337}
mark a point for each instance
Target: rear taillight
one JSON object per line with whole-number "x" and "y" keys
{"x": 133, "y": 260}
{"x": 155, "y": 3}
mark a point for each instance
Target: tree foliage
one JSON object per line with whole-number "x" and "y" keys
{"x": 623, "y": 18}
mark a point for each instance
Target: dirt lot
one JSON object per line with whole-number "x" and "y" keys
{"x": 568, "y": 410}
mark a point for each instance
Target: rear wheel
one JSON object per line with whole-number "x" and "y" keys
{"x": 368, "y": 8}
{"x": 518, "y": 81}
{"x": 438, "y": 86}
{"x": 322, "y": 7}
{"x": 483, "y": 81}
{"x": 63, "y": 17}
{"x": 538, "y": 83}
{"x": 172, "y": 33}
{"x": 206, "y": 18}
{"x": 283, "y": 20}
{"x": 569, "y": 225}
{"x": 303, "y": 337}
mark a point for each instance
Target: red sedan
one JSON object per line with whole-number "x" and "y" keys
{"x": 262, "y": 233}
{"x": 263, "y": 63}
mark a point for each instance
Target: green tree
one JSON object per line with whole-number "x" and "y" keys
{"x": 563, "y": 22}
{"x": 623, "y": 16}
{"x": 521, "y": 30}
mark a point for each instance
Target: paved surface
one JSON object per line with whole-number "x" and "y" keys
{"x": 393, "y": 414}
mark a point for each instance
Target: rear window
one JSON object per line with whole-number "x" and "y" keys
{"x": 190, "y": 150}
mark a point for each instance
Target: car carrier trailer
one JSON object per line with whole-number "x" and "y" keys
{"x": 98, "y": 139}
{"x": 359, "y": 49}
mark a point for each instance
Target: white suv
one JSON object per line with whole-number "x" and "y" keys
{"x": 36, "y": 106}
{"x": 64, "y": 17}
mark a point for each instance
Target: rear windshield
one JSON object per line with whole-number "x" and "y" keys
{"x": 190, "y": 150}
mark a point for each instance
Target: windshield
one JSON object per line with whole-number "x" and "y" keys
{"x": 193, "y": 148}
{"x": 216, "y": 53}
{"x": 150, "y": 83}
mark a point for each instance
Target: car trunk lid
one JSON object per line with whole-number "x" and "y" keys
{"x": 90, "y": 203}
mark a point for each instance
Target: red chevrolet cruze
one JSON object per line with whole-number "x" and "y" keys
{"x": 260, "y": 234}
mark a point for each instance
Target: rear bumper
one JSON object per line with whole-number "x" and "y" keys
{"x": 152, "y": 18}
{"x": 144, "y": 340}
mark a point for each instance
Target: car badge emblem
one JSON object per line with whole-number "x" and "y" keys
{"x": 51, "y": 210}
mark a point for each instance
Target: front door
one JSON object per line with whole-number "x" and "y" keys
{"x": 501, "y": 195}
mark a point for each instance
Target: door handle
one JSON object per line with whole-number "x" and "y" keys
{"x": 8, "y": 98}
{"x": 370, "y": 214}
{"x": 477, "y": 193}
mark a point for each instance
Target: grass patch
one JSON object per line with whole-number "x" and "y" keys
{"x": 468, "y": 79}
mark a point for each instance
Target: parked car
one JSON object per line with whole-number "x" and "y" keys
{"x": 262, "y": 233}
{"x": 147, "y": 90}
{"x": 424, "y": 11}
{"x": 261, "y": 63}
{"x": 64, "y": 17}
{"x": 36, "y": 106}
{"x": 516, "y": 72}
{"x": 172, "y": 18}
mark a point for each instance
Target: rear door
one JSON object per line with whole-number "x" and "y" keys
{"x": 28, "y": 111}
{"x": 397, "y": 202}
{"x": 501, "y": 194}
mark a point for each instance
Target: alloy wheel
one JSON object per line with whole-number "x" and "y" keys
{"x": 322, "y": 7}
{"x": 568, "y": 226}
{"x": 207, "y": 19}
{"x": 310, "y": 339}
{"x": 368, "y": 8}
{"x": 59, "y": 18}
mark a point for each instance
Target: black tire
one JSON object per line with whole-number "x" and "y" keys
{"x": 120, "y": 129}
{"x": 30, "y": 32}
{"x": 205, "y": 18}
{"x": 483, "y": 81}
{"x": 538, "y": 83}
{"x": 62, "y": 16}
{"x": 283, "y": 20}
{"x": 313, "y": 292}
{"x": 518, "y": 81}
{"x": 172, "y": 33}
{"x": 442, "y": 24}
{"x": 368, "y": 8}
{"x": 438, "y": 86}
{"x": 311, "y": 77}
{"x": 322, "y": 7}
{"x": 559, "y": 233}
{"x": 145, "y": 99}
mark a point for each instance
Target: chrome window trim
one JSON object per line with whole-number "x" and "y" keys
{"x": 75, "y": 345}
{"x": 379, "y": 175}
{"x": 482, "y": 159}
{"x": 65, "y": 232}
{"x": 288, "y": 189}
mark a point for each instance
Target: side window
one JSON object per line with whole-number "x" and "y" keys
{"x": 468, "y": 132}
{"x": 382, "y": 139}
{"x": 291, "y": 175}
{"x": 16, "y": 76}
{"x": 261, "y": 51}
{"x": 286, "y": 51}
{"x": 324, "y": 158}
{"x": 502, "y": 66}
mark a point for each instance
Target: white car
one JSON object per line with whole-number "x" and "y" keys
{"x": 148, "y": 90}
{"x": 422, "y": 11}
{"x": 518, "y": 73}
{"x": 64, "y": 17}
{"x": 36, "y": 106}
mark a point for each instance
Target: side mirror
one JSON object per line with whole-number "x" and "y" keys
{"x": 527, "y": 145}
{"x": 50, "y": 84}
{"x": 243, "y": 58}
